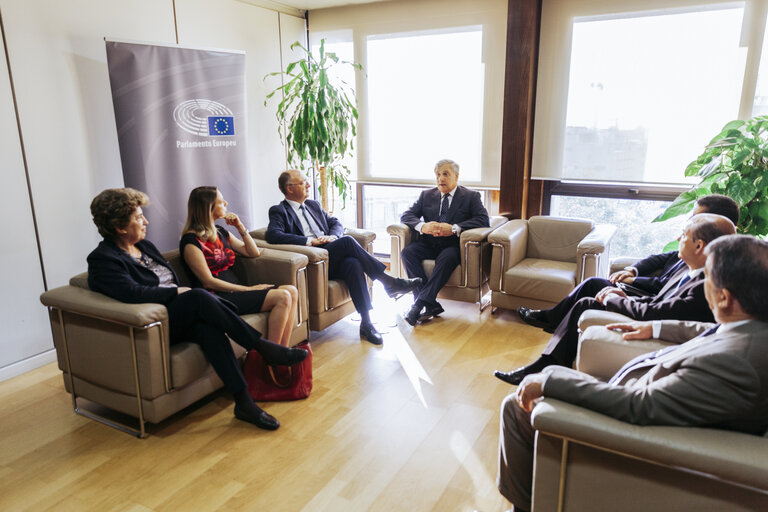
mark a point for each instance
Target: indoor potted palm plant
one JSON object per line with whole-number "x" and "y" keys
{"x": 735, "y": 164}
{"x": 317, "y": 117}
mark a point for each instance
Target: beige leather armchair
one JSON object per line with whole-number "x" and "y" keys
{"x": 469, "y": 282}
{"x": 602, "y": 352}
{"x": 118, "y": 355}
{"x": 537, "y": 262}
{"x": 329, "y": 299}
{"x": 588, "y": 461}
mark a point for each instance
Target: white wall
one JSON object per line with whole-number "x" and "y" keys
{"x": 58, "y": 61}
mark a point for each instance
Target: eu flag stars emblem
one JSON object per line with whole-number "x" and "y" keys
{"x": 221, "y": 125}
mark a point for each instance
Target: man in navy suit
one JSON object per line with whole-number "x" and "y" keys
{"x": 439, "y": 216}
{"x": 681, "y": 298}
{"x": 301, "y": 221}
{"x": 639, "y": 275}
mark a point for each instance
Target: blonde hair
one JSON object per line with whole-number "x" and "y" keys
{"x": 200, "y": 205}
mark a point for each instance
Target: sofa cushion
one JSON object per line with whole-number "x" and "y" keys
{"x": 540, "y": 279}
{"x": 454, "y": 280}
{"x": 338, "y": 293}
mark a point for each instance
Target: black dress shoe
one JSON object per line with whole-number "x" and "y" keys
{"x": 535, "y": 317}
{"x": 432, "y": 311}
{"x": 257, "y": 417}
{"x": 287, "y": 357}
{"x": 515, "y": 377}
{"x": 413, "y": 314}
{"x": 369, "y": 332}
{"x": 400, "y": 287}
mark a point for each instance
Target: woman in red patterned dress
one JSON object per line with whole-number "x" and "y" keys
{"x": 208, "y": 252}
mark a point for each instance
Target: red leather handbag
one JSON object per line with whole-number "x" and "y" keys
{"x": 278, "y": 383}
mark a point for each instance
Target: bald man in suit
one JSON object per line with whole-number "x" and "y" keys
{"x": 682, "y": 298}
{"x": 718, "y": 379}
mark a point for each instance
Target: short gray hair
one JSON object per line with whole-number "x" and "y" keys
{"x": 454, "y": 165}
{"x": 739, "y": 263}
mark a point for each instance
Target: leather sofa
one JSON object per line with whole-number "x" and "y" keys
{"x": 118, "y": 355}
{"x": 588, "y": 461}
{"x": 329, "y": 299}
{"x": 537, "y": 262}
{"x": 469, "y": 282}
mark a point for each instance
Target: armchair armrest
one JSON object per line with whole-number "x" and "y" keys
{"x": 400, "y": 236}
{"x": 314, "y": 254}
{"x": 592, "y": 251}
{"x": 732, "y": 456}
{"x": 90, "y": 303}
{"x": 622, "y": 262}
{"x": 99, "y": 351}
{"x": 509, "y": 248}
{"x": 602, "y": 353}
{"x": 363, "y": 236}
{"x": 273, "y": 266}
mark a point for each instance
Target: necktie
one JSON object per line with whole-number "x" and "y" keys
{"x": 444, "y": 206}
{"x": 685, "y": 279}
{"x": 642, "y": 358}
{"x": 309, "y": 221}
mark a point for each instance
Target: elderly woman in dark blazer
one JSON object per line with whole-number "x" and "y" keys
{"x": 129, "y": 268}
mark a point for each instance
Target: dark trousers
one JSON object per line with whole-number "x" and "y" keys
{"x": 350, "y": 263}
{"x": 200, "y": 316}
{"x": 564, "y": 342}
{"x": 587, "y": 288}
{"x": 446, "y": 255}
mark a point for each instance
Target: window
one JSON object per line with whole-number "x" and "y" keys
{"x": 425, "y": 103}
{"x": 382, "y": 206}
{"x": 633, "y": 91}
{"x": 635, "y": 234}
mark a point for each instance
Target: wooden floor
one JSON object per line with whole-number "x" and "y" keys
{"x": 412, "y": 426}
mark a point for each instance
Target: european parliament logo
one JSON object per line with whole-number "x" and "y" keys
{"x": 219, "y": 125}
{"x": 204, "y": 118}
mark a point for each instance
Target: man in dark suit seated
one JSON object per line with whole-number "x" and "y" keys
{"x": 681, "y": 298}
{"x": 301, "y": 221}
{"x": 718, "y": 379}
{"x": 639, "y": 275}
{"x": 439, "y": 216}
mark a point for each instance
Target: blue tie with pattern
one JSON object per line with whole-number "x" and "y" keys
{"x": 444, "y": 206}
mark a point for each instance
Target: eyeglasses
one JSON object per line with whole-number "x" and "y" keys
{"x": 301, "y": 183}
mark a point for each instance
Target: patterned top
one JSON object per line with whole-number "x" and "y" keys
{"x": 218, "y": 255}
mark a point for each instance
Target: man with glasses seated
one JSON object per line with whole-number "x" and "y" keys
{"x": 301, "y": 221}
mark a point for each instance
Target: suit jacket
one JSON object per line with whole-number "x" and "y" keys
{"x": 685, "y": 303}
{"x": 115, "y": 273}
{"x": 666, "y": 264}
{"x": 718, "y": 381}
{"x": 285, "y": 226}
{"x": 467, "y": 210}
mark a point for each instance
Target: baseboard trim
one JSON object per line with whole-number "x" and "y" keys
{"x": 28, "y": 364}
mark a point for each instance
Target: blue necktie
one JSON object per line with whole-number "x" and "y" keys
{"x": 444, "y": 206}
{"x": 311, "y": 224}
{"x": 643, "y": 358}
{"x": 685, "y": 279}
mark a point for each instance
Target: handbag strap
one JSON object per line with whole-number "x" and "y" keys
{"x": 271, "y": 370}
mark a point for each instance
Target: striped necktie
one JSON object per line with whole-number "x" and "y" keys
{"x": 312, "y": 226}
{"x": 444, "y": 207}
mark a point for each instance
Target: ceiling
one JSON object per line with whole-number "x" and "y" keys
{"x": 308, "y": 5}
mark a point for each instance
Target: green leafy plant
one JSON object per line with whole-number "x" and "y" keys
{"x": 317, "y": 119}
{"x": 735, "y": 164}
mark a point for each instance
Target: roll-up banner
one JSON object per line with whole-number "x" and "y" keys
{"x": 181, "y": 123}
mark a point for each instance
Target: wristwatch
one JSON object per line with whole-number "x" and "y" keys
{"x": 455, "y": 229}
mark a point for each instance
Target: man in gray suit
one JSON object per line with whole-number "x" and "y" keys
{"x": 717, "y": 379}
{"x": 681, "y": 298}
